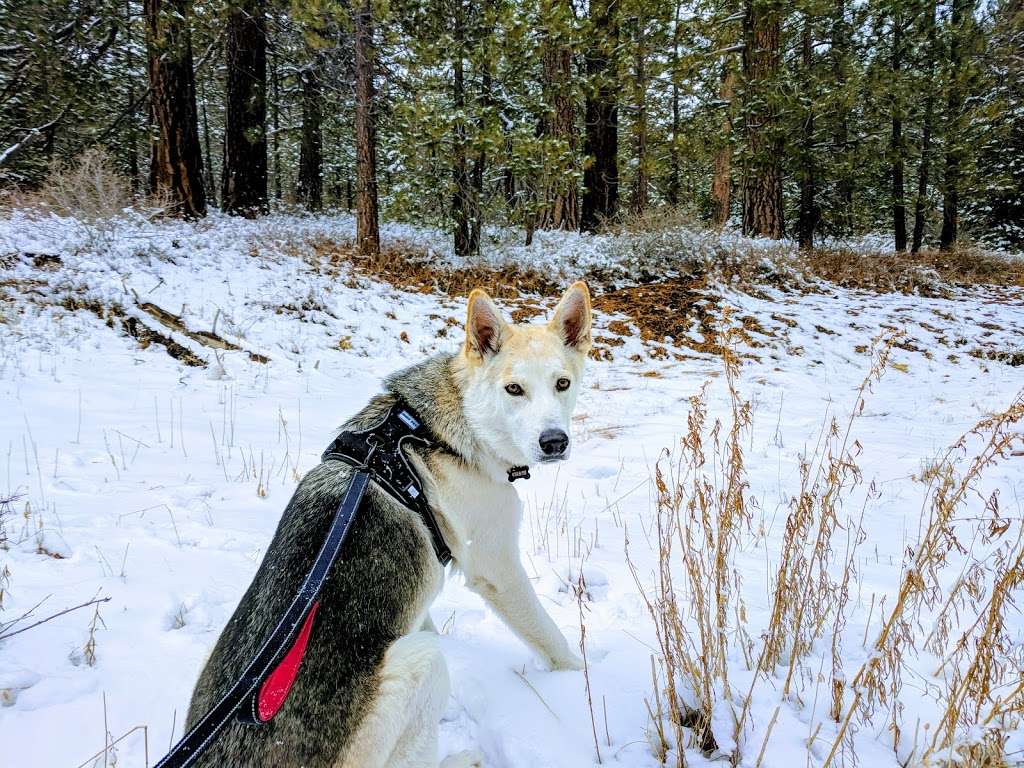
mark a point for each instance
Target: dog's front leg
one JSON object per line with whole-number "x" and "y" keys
{"x": 506, "y": 587}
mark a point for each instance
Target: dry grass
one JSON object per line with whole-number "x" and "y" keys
{"x": 984, "y": 680}
{"x": 929, "y": 273}
{"x": 411, "y": 269}
{"x": 959, "y": 578}
{"x": 88, "y": 188}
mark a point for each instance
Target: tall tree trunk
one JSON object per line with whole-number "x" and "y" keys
{"x": 480, "y": 164}
{"x": 601, "y": 146}
{"x": 923, "y": 169}
{"x": 133, "y": 141}
{"x": 244, "y": 176}
{"x": 176, "y": 168}
{"x": 960, "y": 21}
{"x": 721, "y": 178}
{"x": 897, "y": 147}
{"x": 641, "y": 180}
{"x": 275, "y": 122}
{"x": 310, "y": 184}
{"x": 561, "y": 201}
{"x": 762, "y": 184}
{"x": 808, "y": 176}
{"x": 461, "y": 212}
{"x": 674, "y": 148}
{"x": 840, "y": 53}
{"x": 367, "y": 222}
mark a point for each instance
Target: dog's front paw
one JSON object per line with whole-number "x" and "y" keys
{"x": 567, "y": 661}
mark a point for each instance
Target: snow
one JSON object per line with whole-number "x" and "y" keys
{"x": 159, "y": 485}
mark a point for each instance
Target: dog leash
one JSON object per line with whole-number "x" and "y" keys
{"x": 258, "y": 695}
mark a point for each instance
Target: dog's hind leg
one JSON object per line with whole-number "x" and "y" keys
{"x": 400, "y": 730}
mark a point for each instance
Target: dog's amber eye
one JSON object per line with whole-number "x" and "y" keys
{"x": 514, "y": 389}
{"x": 562, "y": 384}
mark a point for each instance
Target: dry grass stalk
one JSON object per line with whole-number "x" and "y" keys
{"x": 702, "y": 513}
{"x": 580, "y": 592}
{"x": 806, "y": 595}
{"x": 971, "y": 705}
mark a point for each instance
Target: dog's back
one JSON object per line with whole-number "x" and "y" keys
{"x": 385, "y": 575}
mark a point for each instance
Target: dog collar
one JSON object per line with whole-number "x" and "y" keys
{"x": 518, "y": 473}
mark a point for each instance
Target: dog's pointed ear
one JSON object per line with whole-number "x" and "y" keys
{"x": 485, "y": 328}
{"x": 572, "y": 317}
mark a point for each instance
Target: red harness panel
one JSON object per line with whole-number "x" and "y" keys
{"x": 275, "y": 688}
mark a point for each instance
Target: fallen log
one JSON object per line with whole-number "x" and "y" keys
{"x": 206, "y": 338}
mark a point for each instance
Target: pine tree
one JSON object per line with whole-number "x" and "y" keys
{"x": 244, "y": 175}
{"x": 762, "y": 173}
{"x": 601, "y": 145}
{"x": 367, "y": 217}
{"x": 176, "y": 166}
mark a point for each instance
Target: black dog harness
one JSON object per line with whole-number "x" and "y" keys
{"x": 376, "y": 454}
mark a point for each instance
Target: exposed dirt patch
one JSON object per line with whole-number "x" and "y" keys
{"x": 929, "y": 273}
{"x": 672, "y": 308}
{"x": 1013, "y": 358}
{"x": 412, "y": 269}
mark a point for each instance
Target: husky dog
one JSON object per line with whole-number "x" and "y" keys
{"x": 373, "y": 684}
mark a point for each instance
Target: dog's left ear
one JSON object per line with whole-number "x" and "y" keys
{"x": 572, "y": 317}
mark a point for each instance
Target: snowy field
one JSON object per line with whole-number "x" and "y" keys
{"x": 157, "y": 485}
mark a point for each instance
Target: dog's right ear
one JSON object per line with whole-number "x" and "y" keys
{"x": 485, "y": 329}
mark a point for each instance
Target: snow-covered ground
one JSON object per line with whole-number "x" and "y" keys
{"x": 158, "y": 485}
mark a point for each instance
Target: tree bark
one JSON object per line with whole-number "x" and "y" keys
{"x": 924, "y": 168}
{"x": 462, "y": 200}
{"x": 897, "y": 147}
{"x": 244, "y": 176}
{"x": 641, "y": 180}
{"x": 561, "y": 208}
{"x": 133, "y": 140}
{"x": 275, "y": 122}
{"x": 840, "y": 52}
{"x": 762, "y": 187}
{"x": 176, "y": 168}
{"x": 672, "y": 193}
{"x": 961, "y": 16}
{"x": 601, "y": 146}
{"x": 808, "y": 178}
{"x": 310, "y": 184}
{"x": 367, "y": 223}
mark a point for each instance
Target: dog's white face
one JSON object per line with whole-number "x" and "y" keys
{"x": 520, "y": 383}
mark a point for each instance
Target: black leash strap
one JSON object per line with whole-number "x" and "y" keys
{"x": 242, "y": 698}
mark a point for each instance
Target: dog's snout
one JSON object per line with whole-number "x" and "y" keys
{"x": 553, "y": 442}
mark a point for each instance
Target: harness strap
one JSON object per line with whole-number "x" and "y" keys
{"x": 378, "y": 450}
{"x": 245, "y": 697}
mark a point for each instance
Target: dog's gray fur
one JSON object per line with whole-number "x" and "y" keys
{"x": 377, "y": 592}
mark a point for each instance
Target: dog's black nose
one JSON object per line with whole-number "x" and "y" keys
{"x": 553, "y": 442}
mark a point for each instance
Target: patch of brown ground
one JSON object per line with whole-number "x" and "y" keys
{"x": 411, "y": 269}
{"x": 915, "y": 273}
{"x": 670, "y": 308}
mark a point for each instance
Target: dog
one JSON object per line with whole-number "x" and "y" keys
{"x": 373, "y": 684}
